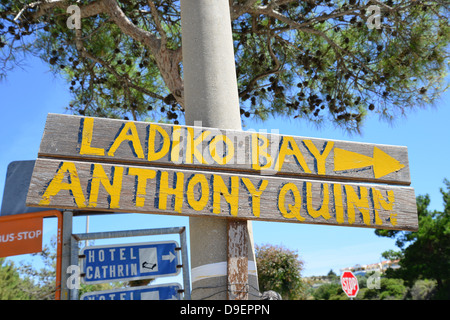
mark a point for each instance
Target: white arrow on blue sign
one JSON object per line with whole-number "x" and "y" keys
{"x": 129, "y": 261}
{"x": 168, "y": 291}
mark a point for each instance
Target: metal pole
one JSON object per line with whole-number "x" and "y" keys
{"x": 126, "y": 233}
{"x": 211, "y": 100}
{"x": 87, "y": 229}
{"x": 66, "y": 252}
{"x": 74, "y": 263}
{"x": 185, "y": 259}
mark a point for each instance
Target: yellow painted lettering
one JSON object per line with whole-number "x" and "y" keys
{"x": 176, "y": 141}
{"x": 165, "y": 143}
{"x": 293, "y": 210}
{"x": 320, "y": 157}
{"x": 221, "y": 159}
{"x": 379, "y": 203}
{"x": 142, "y": 175}
{"x": 198, "y": 179}
{"x": 290, "y": 147}
{"x": 324, "y": 209}
{"x": 192, "y": 144}
{"x": 256, "y": 194}
{"x": 232, "y": 197}
{"x": 338, "y": 204}
{"x": 124, "y": 136}
{"x": 259, "y": 150}
{"x": 165, "y": 190}
{"x": 73, "y": 185}
{"x": 113, "y": 189}
{"x": 353, "y": 202}
{"x": 86, "y": 139}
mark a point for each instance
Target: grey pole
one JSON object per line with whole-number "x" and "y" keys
{"x": 211, "y": 97}
{"x": 66, "y": 252}
{"x": 73, "y": 290}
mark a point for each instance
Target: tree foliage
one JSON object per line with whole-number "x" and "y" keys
{"x": 389, "y": 289}
{"x": 423, "y": 290}
{"x": 425, "y": 254}
{"x": 12, "y": 286}
{"x": 329, "y": 291}
{"x": 315, "y": 60}
{"x": 279, "y": 269}
{"x": 43, "y": 274}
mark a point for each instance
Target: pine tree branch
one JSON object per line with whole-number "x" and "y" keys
{"x": 112, "y": 8}
{"x": 155, "y": 16}
{"x": 168, "y": 60}
{"x": 276, "y": 69}
{"x": 44, "y": 6}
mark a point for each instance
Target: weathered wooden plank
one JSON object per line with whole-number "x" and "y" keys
{"x": 116, "y": 141}
{"x": 124, "y": 188}
{"x": 237, "y": 264}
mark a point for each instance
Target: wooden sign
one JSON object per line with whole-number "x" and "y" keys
{"x": 117, "y": 141}
{"x": 120, "y": 188}
{"x": 122, "y": 166}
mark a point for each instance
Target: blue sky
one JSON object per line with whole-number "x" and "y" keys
{"x": 26, "y": 97}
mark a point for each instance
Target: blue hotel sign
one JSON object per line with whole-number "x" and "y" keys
{"x": 170, "y": 291}
{"x": 129, "y": 262}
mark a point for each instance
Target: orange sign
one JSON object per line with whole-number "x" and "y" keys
{"x": 20, "y": 236}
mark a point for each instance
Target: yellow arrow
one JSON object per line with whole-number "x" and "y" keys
{"x": 382, "y": 163}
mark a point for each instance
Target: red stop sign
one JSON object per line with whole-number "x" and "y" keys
{"x": 349, "y": 284}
